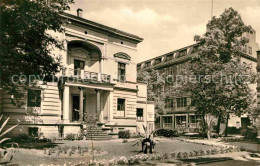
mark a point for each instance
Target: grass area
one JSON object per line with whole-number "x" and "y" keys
{"x": 115, "y": 148}
{"x": 246, "y": 145}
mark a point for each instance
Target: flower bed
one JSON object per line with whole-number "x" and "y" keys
{"x": 73, "y": 151}
{"x": 143, "y": 158}
{"x": 203, "y": 142}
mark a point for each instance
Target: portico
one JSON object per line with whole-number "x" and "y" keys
{"x": 80, "y": 101}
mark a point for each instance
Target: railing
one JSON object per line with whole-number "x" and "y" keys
{"x": 86, "y": 75}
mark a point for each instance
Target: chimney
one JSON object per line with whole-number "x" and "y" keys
{"x": 79, "y": 12}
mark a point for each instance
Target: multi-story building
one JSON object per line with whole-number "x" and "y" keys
{"x": 178, "y": 113}
{"x": 257, "y": 116}
{"x": 98, "y": 80}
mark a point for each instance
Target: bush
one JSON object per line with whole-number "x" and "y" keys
{"x": 124, "y": 134}
{"x": 135, "y": 135}
{"x": 166, "y": 133}
{"x": 79, "y": 136}
{"x": 22, "y": 138}
{"x": 70, "y": 136}
{"x": 250, "y": 132}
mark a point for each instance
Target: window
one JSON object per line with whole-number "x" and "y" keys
{"x": 167, "y": 119}
{"x": 181, "y": 67}
{"x": 157, "y": 120}
{"x": 250, "y": 50}
{"x": 147, "y": 64}
{"x": 169, "y": 57}
{"x": 33, "y": 131}
{"x": 139, "y": 114}
{"x": 78, "y": 65}
{"x": 180, "y": 120}
{"x": 167, "y": 122}
{"x": 120, "y": 104}
{"x": 157, "y": 61}
{"x": 182, "y": 102}
{"x": 34, "y": 98}
{"x": 195, "y": 118}
{"x": 195, "y": 49}
{"x": 121, "y": 72}
{"x": 182, "y": 53}
{"x": 169, "y": 103}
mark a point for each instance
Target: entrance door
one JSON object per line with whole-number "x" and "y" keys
{"x": 75, "y": 107}
{"x": 245, "y": 122}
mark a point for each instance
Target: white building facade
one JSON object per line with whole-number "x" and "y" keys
{"x": 98, "y": 79}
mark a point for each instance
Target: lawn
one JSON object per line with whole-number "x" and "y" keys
{"x": 33, "y": 155}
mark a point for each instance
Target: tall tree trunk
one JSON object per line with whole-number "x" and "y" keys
{"x": 208, "y": 133}
{"x": 203, "y": 124}
{"x": 218, "y": 124}
{"x": 226, "y": 130}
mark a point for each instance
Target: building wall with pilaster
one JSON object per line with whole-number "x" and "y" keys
{"x": 257, "y": 117}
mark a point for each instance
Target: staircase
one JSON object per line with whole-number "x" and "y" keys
{"x": 96, "y": 133}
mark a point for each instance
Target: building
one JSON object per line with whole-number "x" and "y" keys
{"x": 257, "y": 117}
{"x": 178, "y": 114}
{"x": 98, "y": 80}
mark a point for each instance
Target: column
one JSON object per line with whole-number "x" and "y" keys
{"x": 81, "y": 98}
{"x": 175, "y": 119}
{"x": 98, "y": 104}
{"x": 187, "y": 120}
{"x": 111, "y": 108}
{"x": 65, "y": 53}
{"x": 66, "y": 104}
{"x": 173, "y": 122}
{"x": 100, "y": 69}
{"x": 161, "y": 121}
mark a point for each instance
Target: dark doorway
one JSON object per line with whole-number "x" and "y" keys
{"x": 75, "y": 107}
{"x": 245, "y": 122}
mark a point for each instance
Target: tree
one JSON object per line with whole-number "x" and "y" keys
{"x": 219, "y": 83}
{"x": 25, "y": 44}
{"x": 155, "y": 82}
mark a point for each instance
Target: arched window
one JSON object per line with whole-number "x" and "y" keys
{"x": 122, "y": 65}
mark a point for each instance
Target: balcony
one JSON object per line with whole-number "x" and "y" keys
{"x": 87, "y": 76}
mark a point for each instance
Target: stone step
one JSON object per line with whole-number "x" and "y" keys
{"x": 98, "y": 134}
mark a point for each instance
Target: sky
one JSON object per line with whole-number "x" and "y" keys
{"x": 165, "y": 25}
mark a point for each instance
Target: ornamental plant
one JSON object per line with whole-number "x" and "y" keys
{"x": 6, "y": 155}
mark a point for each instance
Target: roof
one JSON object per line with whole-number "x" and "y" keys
{"x": 169, "y": 53}
{"x": 181, "y": 59}
{"x": 102, "y": 27}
